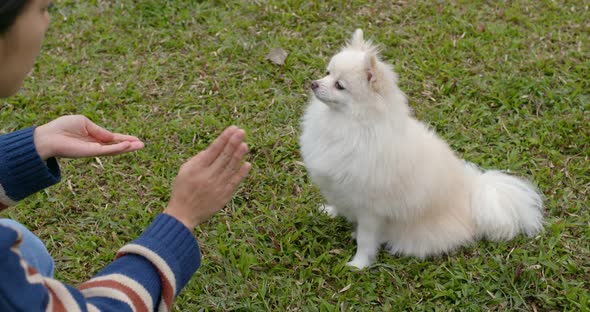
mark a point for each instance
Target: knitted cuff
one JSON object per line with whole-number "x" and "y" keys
{"x": 22, "y": 171}
{"x": 175, "y": 247}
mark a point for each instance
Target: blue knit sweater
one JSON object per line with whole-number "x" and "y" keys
{"x": 146, "y": 274}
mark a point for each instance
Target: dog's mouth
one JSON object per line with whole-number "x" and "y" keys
{"x": 317, "y": 94}
{"x": 331, "y": 104}
{"x": 320, "y": 94}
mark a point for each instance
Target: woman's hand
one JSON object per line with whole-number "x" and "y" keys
{"x": 206, "y": 182}
{"x": 76, "y": 136}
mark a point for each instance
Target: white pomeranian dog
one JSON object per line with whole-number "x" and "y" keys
{"x": 392, "y": 176}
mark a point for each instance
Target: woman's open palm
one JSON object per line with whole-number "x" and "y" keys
{"x": 76, "y": 136}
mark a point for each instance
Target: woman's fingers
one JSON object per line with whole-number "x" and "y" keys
{"x": 112, "y": 149}
{"x": 235, "y": 161}
{"x": 209, "y": 155}
{"x": 97, "y": 149}
{"x": 118, "y": 137}
{"x": 225, "y": 157}
{"x": 98, "y": 133}
{"x": 235, "y": 180}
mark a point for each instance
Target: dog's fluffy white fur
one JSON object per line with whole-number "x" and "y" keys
{"x": 393, "y": 177}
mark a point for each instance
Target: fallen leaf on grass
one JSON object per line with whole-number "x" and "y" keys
{"x": 345, "y": 288}
{"x": 277, "y": 56}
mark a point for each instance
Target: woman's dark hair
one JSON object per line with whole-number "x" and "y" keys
{"x": 9, "y": 11}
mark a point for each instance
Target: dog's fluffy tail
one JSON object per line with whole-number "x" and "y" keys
{"x": 504, "y": 206}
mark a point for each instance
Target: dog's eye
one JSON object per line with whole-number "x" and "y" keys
{"x": 328, "y": 73}
{"x": 339, "y": 86}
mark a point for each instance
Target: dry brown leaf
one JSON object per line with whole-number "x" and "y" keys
{"x": 277, "y": 56}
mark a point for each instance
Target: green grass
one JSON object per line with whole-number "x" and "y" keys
{"x": 506, "y": 83}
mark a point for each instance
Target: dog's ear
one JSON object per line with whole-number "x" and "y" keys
{"x": 357, "y": 40}
{"x": 371, "y": 66}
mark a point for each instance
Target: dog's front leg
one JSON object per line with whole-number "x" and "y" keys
{"x": 367, "y": 240}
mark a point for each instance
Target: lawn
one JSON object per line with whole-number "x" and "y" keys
{"x": 505, "y": 83}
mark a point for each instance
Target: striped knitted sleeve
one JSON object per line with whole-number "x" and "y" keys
{"x": 22, "y": 171}
{"x": 146, "y": 275}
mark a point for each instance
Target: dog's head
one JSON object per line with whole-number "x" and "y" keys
{"x": 357, "y": 81}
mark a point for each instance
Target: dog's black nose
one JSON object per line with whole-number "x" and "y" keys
{"x": 314, "y": 85}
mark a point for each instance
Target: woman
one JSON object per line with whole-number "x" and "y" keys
{"x": 148, "y": 273}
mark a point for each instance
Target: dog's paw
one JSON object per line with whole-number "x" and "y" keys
{"x": 359, "y": 262}
{"x": 329, "y": 210}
